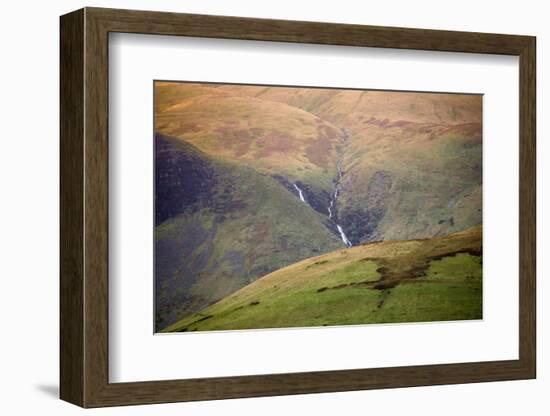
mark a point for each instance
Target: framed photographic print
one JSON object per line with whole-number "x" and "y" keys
{"x": 255, "y": 207}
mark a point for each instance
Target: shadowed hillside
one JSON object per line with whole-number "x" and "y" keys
{"x": 251, "y": 179}
{"x": 221, "y": 226}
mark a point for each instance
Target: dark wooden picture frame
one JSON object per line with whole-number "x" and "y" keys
{"x": 84, "y": 207}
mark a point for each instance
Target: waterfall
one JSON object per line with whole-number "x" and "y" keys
{"x": 331, "y": 214}
{"x": 343, "y": 236}
{"x": 337, "y": 183}
{"x": 300, "y": 193}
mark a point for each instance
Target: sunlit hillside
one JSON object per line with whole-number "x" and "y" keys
{"x": 251, "y": 179}
{"x": 436, "y": 279}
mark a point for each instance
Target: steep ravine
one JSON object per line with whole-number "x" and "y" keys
{"x": 332, "y": 204}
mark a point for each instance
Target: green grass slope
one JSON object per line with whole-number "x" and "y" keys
{"x": 435, "y": 279}
{"x": 420, "y": 188}
{"x": 221, "y": 226}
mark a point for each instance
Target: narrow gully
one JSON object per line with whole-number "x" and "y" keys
{"x": 333, "y": 200}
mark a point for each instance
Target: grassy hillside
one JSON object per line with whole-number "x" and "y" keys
{"x": 252, "y": 179}
{"x": 412, "y": 161}
{"x": 220, "y": 226}
{"x": 270, "y": 136}
{"x": 435, "y": 279}
{"x": 354, "y": 108}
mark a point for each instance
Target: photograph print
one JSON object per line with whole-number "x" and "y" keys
{"x": 281, "y": 207}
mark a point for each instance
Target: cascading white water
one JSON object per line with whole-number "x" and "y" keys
{"x": 331, "y": 204}
{"x": 300, "y": 193}
{"x": 343, "y": 236}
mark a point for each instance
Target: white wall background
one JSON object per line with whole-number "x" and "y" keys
{"x": 29, "y": 209}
